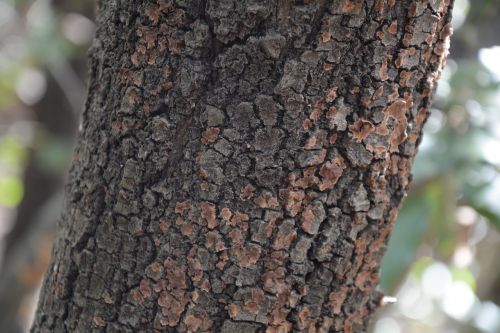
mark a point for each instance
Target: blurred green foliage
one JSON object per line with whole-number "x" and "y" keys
{"x": 12, "y": 153}
{"x": 37, "y": 44}
{"x": 11, "y": 191}
{"x": 12, "y": 159}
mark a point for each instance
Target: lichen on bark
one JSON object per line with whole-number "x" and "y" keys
{"x": 241, "y": 163}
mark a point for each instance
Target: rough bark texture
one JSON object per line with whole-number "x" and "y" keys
{"x": 241, "y": 163}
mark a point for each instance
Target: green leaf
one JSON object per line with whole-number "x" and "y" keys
{"x": 12, "y": 153}
{"x": 465, "y": 275}
{"x": 420, "y": 266}
{"x": 11, "y": 192}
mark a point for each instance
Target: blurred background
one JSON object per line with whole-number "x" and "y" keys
{"x": 443, "y": 261}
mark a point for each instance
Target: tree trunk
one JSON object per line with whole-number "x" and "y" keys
{"x": 241, "y": 163}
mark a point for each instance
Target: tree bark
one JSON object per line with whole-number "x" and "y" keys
{"x": 240, "y": 164}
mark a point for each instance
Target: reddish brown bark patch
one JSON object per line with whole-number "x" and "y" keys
{"x": 171, "y": 308}
{"x": 331, "y": 171}
{"x": 187, "y": 229}
{"x": 312, "y": 217}
{"x": 397, "y": 111}
{"x": 336, "y": 299}
{"x": 233, "y": 310}
{"x": 266, "y": 200}
{"x": 247, "y": 192}
{"x": 331, "y": 94}
{"x": 326, "y": 36}
{"x": 352, "y": 6}
{"x": 208, "y": 214}
{"x": 180, "y": 207}
{"x": 99, "y": 321}
{"x": 382, "y": 73}
{"x": 360, "y": 129}
{"x": 293, "y": 201}
{"x": 210, "y": 135}
{"x": 226, "y": 214}
{"x": 248, "y": 255}
{"x": 106, "y": 297}
{"x": 192, "y": 323}
{"x": 239, "y": 219}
